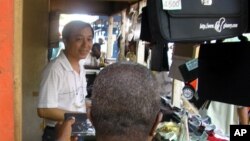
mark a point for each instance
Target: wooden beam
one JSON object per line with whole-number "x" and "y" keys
{"x": 121, "y": 54}
{"x": 110, "y": 35}
{"x": 93, "y": 7}
{"x": 80, "y": 7}
{"x": 116, "y": 0}
{"x": 117, "y": 7}
{"x": 18, "y": 31}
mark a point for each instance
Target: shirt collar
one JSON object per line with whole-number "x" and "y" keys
{"x": 66, "y": 64}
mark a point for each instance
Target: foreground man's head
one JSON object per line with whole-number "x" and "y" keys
{"x": 125, "y": 103}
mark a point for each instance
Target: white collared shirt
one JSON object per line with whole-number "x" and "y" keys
{"x": 61, "y": 87}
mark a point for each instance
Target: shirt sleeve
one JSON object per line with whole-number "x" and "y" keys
{"x": 49, "y": 89}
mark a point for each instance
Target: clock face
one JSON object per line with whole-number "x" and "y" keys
{"x": 188, "y": 93}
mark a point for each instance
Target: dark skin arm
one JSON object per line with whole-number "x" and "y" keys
{"x": 243, "y": 115}
{"x": 63, "y": 130}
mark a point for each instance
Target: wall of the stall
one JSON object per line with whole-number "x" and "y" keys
{"x": 35, "y": 41}
{"x": 18, "y": 32}
{"x": 6, "y": 71}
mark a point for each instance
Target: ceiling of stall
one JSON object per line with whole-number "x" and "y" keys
{"x": 91, "y": 7}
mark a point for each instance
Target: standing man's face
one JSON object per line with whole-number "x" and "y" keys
{"x": 80, "y": 43}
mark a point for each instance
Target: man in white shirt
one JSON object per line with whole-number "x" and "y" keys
{"x": 63, "y": 84}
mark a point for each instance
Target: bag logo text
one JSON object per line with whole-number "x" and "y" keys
{"x": 218, "y": 26}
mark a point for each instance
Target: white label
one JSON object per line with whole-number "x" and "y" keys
{"x": 192, "y": 64}
{"x": 171, "y": 4}
{"x": 207, "y": 2}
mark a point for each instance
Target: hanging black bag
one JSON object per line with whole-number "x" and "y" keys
{"x": 196, "y": 20}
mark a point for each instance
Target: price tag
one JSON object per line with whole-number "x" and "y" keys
{"x": 192, "y": 64}
{"x": 207, "y": 2}
{"x": 171, "y": 4}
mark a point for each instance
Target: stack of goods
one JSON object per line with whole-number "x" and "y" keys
{"x": 180, "y": 124}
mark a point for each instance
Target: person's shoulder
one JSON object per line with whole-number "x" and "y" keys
{"x": 54, "y": 66}
{"x": 55, "y": 62}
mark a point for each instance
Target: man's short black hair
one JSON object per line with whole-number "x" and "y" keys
{"x": 125, "y": 100}
{"x": 71, "y": 26}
